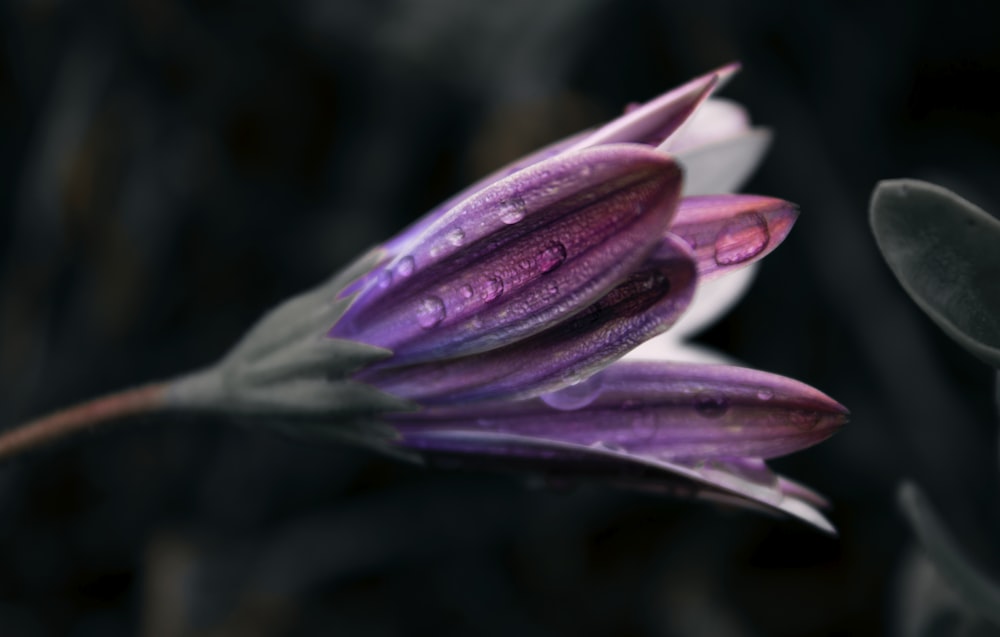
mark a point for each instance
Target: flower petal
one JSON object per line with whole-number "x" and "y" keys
{"x": 712, "y": 300}
{"x": 743, "y": 482}
{"x": 519, "y": 256}
{"x": 658, "y": 119}
{"x": 651, "y": 124}
{"x": 727, "y": 232}
{"x": 715, "y": 121}
{"x": 724, "y": 166}
{"x": 646, "y": 303}
{"x": 403, "y": 241}
{"x": 663, "y": 409}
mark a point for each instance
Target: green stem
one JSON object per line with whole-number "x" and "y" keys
{"x": 92, "y": 413}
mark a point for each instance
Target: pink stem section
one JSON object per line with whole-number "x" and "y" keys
{"x": 99, "y": 411}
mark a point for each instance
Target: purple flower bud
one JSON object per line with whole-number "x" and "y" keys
{"x": 646, "y": 303}
{"x": 519, "y": 256}
{"x": 505, "y": 308}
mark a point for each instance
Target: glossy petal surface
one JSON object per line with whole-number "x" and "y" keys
{"x": 646, "y": 303}
{"x": 521, "y": 255}
{"x": 663, "y": 409}
{"x": 727, "y": 232}
{"x": 744, "y": 482}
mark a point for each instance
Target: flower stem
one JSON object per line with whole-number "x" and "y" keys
{"x": 92, "y": 413}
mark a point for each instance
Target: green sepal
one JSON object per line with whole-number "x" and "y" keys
{"x": 288, "y": 375}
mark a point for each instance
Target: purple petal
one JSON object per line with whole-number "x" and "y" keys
{"x": 726, "y": 232}
{"x": 520, "y": 255}
{"x": 656, "y": 120}
{"x": 651, "y": 124}
{"x": 670, "y": 410}
{"x": 746, "y": 482}
{"x": 648, "y": 302}
{"x": 402, "y": 241}
{"x": 716, "y": 120}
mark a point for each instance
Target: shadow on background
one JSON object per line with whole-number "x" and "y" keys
{"x": 173, "y": 169}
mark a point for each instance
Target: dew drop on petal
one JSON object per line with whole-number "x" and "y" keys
{"x": 552, "y": 256}
{"x": 512, "y": 210}
{"x": 711, "y": 404}
{"x": 492, "y": 288}
{"x": 743, "y": 238}
{"x": 456, "y": 237}
{"x": 765, "y": 394}
{"x": 405, "y": 266}
{"x": 465, "y": 291}
{"x": 430, "y": 312}
{"x": 574, "y": 396}
{"x": 385, "y": 279}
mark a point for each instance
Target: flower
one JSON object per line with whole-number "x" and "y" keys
{"x": 506, "y": 307}
{"x": 491, "y": 330}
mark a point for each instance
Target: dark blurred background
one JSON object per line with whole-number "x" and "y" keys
{"x": 172, "y": 169}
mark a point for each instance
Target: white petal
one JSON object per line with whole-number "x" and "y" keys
{"x": 712, "y": 300}
{"x": 667, "y": 348}
{"x": 714, "y": 121}
{"x": 723, "y": 166}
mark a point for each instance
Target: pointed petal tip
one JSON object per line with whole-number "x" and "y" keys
{"x": 729, "y": 232}
{"x": 727, "y": 71}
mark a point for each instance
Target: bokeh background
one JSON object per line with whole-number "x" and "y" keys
{"x": 172, "y": 169}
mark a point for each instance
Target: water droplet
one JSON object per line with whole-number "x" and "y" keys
{"x": 765, "y": 394}
{"x": 465, "y": 291}
{"x": 743, "y": 238}
{"x": 456, "y": 237}
{"x": 431, "y": 312}
{"x": 574, "y": 396}
{"x": 492, "y": 288}
{"x": 711, "y": 404}
{"x": 405, "y": 266}
{"x": 552, "y": 256}
{"x": 385, "y": 279}
{"x": 512, "y": 210}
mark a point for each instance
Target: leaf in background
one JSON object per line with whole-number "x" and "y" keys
{"x": 969, "y": 584}
{"x": 946, "y": 254}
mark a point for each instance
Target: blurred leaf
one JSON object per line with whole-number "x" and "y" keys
{"x": 946, "y": 254}
{"x": 981, "y": 595}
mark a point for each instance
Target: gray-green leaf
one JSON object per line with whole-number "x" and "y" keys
{"x": 946, "y": 254}
{"x": 971, "y": 586}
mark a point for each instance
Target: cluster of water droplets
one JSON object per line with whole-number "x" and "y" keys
{"x": 432, "y": 310}
{"x": 401, "y": 270}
